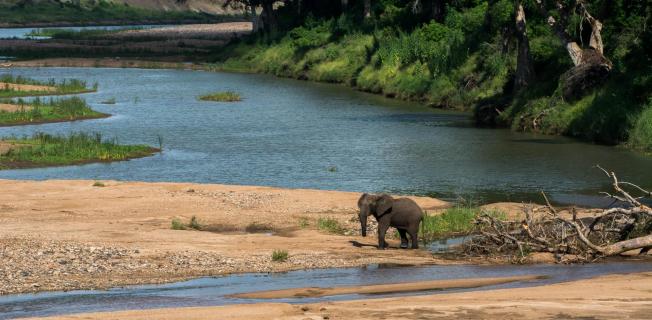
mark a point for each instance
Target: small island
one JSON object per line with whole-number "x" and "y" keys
{"x": 223, "y": 96}
{"x": 44, "y": 150}
{"x": 21, "y": 112}
{"x": 13, "y": 87}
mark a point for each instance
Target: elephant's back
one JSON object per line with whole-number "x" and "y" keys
{"x": 406, "y": 204}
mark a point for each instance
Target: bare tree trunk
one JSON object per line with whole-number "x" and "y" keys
{"x": 269, "y": 17}
{"x": 255, "y": 20}
{"x": 591, "y": 67}
{"x": 345, "y": 5}
{"x": 367, "y": 9}
{"x": 438, "y": 8}
{"x": 524, "y": 69}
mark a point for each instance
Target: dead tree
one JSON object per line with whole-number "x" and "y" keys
{"x": 591, "y": 67}
{"x": 524, "y": 68}
{"x": 624, "y": 228}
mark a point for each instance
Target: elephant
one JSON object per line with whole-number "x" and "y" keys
{"x": 401, "y": 213}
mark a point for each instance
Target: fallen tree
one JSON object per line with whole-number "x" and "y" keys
{"x": 624, "y": 227}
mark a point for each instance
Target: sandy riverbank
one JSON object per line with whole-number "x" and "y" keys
{"x": 607, "y": 297}
{"x": 62, "y": 235}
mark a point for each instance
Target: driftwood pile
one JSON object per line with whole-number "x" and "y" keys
{"x": 625, "y": 227}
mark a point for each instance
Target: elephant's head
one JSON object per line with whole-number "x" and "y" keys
{"x": 376, "y": 205}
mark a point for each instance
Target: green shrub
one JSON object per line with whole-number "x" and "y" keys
{"x": 280, "y": 255}
{"x": 330, "y": 225}
{"x": 99, "y": 184}
{"x": 178, "y": 225}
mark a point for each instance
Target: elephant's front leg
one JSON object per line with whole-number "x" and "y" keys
{"x": 383, "y": 225}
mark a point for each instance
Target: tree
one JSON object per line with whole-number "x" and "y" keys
{"x": 367, "y": 9}
{"x": 524, "y": 69}
{"x": 591, "y": 67}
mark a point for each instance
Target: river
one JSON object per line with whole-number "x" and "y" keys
{"x": 297, "y": 134}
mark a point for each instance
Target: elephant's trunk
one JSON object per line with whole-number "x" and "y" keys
{"x": 363, "y": 223}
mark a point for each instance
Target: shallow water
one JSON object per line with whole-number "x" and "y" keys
{"x": 215, "y": 291}
{"x": 23, "y": 33}
{"x": 296, "y": 134}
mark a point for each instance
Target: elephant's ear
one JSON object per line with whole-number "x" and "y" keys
{"x": 384, "y": 204}
{"x": 363, "y": 197}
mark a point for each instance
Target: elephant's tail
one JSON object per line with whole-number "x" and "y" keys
{"x": 422, "y": 227}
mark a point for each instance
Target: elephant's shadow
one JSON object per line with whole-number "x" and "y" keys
{"x": 360, "y": 245}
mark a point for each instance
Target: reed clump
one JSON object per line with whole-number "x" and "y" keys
{"x": 224, "y": 96}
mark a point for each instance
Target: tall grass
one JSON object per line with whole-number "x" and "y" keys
{"x": 42, "y": 150}
{"x": 52, "y": 110}
{"x": 458, "y": 220}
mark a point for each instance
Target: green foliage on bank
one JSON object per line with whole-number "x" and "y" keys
{"x": 467, "y": 60}
{"x": 43, "y": 150}
{"x": 43, "y": 111}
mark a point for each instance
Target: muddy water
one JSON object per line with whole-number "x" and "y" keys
{"x": 298, "y": 134}
{"x": 215, "y": 291}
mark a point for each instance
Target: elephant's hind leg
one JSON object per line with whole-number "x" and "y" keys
{"x": 404, "y": 239}
{"x": 415, "y": 239}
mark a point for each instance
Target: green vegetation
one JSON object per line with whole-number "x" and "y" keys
{"x": 304, "y": 222}
{"x": 9, "y": 90}
{"x": 458, "y": 220}
{"x": 99, "y": 184}
{"x": 224, "y": 96}
{"x": 641, "y": 136}
{"x": 464, "y": 57}
{"x": 279, "y": 255}
{"x": 43, "y": 150}
{"x": 177, "y": 224}
{"x": 330, "y": 225}
{"x": 194, "y": 223}
{"x": 93, "y": 12}
{"x": 53, "y": 110}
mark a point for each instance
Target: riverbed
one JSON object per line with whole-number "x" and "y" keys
{"x": 296, "y": 134}
{"x": 218, "y": 291}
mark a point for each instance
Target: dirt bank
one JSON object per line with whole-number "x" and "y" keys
{"x": 62, "y": 235}
{"x": 25, "y": 87}
{"x": 14, "y": 107}
{"x": 608, "y": 297}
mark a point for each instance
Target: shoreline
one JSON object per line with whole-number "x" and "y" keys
{"x": 101, "y": 115}
{"x": 111, "y": 23}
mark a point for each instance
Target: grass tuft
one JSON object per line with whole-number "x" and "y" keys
{"x": 330, "y": 225}
{"x": 99, "y": 184}
{"x": 279, "y": 255}
{"x": 178, "y": 225}
{"x": 224, "y": 96}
